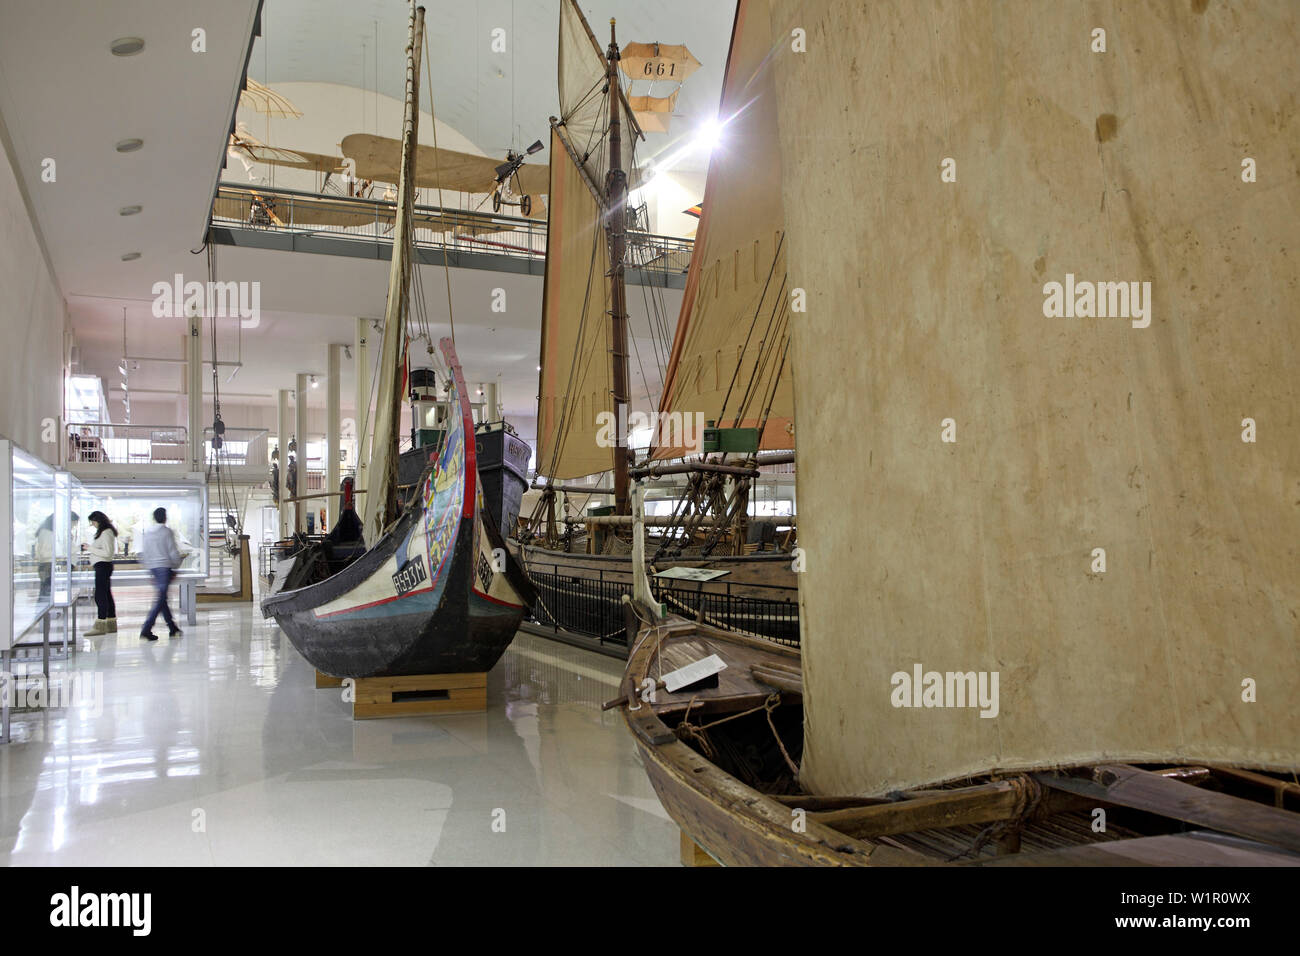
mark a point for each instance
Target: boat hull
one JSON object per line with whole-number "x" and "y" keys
{"x": 438, "y": 593}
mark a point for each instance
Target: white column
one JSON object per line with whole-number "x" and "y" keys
{"x": 332, "y": 427}
{"x": 361, "y": 352}
{"x": 194, "y": 390}
{"x": 300, "y": 432}
{"x": 282, "y": 441}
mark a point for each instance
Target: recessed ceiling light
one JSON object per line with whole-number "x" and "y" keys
{"x": 131, "y": 256}
{"x": 129, "y": 210}
{"x": 126, "y": 46}
{"x": 129, "y": 145}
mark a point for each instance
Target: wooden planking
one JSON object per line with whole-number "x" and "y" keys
{"x": 983, "y": 803}
{"x": 324, "y": 680}
{"x": 1130, "y": 787}
{"x": 375, "y": 695}
{"x": 1171, "y": 849}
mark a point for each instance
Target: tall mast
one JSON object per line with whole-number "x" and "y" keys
{"x": 616, "y": 229}
{"x": 383, "y": 508}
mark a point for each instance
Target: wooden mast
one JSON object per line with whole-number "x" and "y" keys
{"x": 616, "y": 229}
{"x": 399, "y": 275}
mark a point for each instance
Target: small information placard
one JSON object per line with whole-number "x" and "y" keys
{"x": 694, "y": 673}
{"x": 691, "y": 574}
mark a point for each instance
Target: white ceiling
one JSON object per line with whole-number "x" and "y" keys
{"x": 64, "y": 95}
{"x": 496, "y": 100}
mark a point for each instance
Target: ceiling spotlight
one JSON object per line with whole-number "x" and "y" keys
{"x": 129, "y": 210}
{"x": 126, "y": 46}
{"x": 129, "y": 145}
{"x": 539, "y": 368}
{"x": 313, "y": 381}
{"x": 131, "y": 257}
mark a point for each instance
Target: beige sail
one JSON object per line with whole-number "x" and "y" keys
{"x": 926, "y": 319}
{"x": 575, "y": 383}
{"x": 584, "y": 109}
{"x": 382, "y": 469}
{"x": 735, "y": 313}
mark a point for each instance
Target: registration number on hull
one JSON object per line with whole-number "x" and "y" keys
{"x": 410, "y": 576}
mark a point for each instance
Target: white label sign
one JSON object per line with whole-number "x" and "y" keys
{"x": 694, "y": 673}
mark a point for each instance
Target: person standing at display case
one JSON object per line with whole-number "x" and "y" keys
{"x": 158, "y": 553}
{"x": 103, "y": 548}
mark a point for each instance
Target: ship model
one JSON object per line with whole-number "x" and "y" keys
{"x": 726, "y": 411}
{"x": 435, "y": 590}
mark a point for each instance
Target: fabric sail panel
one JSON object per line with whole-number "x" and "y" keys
{"x": 734, "y": 316}
{"x": 382, "y": 467}
{"x": 575, "y": 383}
{"x": 928, "y": 302}
{"x": 584, "y": 108}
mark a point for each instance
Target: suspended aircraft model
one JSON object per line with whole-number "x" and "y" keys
{"x": 507, "y": 173}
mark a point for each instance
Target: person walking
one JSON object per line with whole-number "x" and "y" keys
{"x": 103, "y": 546}
{"x": 159, "y": 554}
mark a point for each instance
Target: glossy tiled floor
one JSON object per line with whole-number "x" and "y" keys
{"x": 216, "y": 749}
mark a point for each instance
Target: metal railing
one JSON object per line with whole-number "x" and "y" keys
{"x": 107, "y": 443}
{"x": 435, "y": 227}
{"x": 592, "y": 606}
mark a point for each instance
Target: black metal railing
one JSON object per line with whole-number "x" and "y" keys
{"x": 593, "y": 606}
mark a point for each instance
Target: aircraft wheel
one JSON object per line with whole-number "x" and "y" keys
{"x": 496, "y": 201}
{"x": 526, "y": 206}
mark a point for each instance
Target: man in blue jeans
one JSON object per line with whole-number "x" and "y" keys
{"x": 159, "y": 554}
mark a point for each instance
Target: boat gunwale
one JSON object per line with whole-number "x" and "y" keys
{"x": 698, "y": 778}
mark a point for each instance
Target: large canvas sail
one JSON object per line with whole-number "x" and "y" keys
{"x": 575, "y": 383}
{"x": 729, "y": 358}
{"x": 380, "y": 503}
{"x": 993, "y": 447}
{"x": 584, "y": 107}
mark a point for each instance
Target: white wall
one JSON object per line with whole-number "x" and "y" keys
{"x": 32, "y": 320}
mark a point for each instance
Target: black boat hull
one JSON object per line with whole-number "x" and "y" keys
{"x": 437, "y": 594}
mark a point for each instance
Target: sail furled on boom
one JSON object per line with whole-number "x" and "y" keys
{"x": 381, "y": 500}
{"x": 729, "y": 359}
{"x": 575, "y": 382}
{"x": 1095, "y": 535}
{"x": 584, "y": 102}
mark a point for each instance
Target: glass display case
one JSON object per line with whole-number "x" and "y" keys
{"x": 130, "y": 506}
{"x": 72, "y": 570}
{"x": 29, "y": 514}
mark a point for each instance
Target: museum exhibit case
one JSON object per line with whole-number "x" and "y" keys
{"x": 130, "y": 506}
{"x": 29, "y": 517}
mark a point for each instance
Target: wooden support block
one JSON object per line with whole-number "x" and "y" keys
{"x": 324, "y": 680}
{"x": 418, "y": 695}
{"x": 693, "y": 855}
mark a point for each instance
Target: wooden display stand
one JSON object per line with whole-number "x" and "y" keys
{"x": 413, "y": 695}
{"x": 692, "y": 855}
{"x": 241, "y": 592}
{"x": 419, "y": 694}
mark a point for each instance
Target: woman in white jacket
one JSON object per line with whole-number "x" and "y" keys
{"x": 102, "y": 549}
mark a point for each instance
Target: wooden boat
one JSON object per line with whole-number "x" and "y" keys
{"x": 584, "y": 382}
{"x": 1124, "y": 721}
{"x": 425, "y": 599}
{"x": 436, "y": 591}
